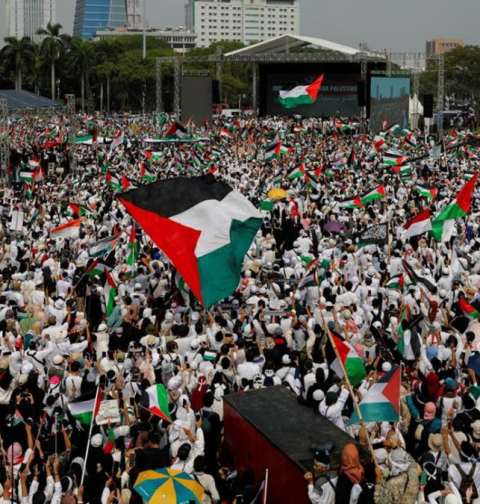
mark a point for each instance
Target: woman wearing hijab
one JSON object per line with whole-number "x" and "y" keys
{"x": 198, "y": 393}
{"x": 351, "y": 473}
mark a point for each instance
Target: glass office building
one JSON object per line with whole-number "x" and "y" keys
{"x": 92, "y": 15}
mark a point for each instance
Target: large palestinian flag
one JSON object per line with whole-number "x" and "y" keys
{"x": 381, "y": 403}
{"x": 203, "y": 226}
{"x": 443, "y": 224}
{"x": 300, "y": 95}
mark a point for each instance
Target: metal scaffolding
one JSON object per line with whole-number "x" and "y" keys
{"x": 72, "y": 131}
{"x": 4, "y": 140}
{"x": 409, "y": 60}
{"x": 441, "y": 89}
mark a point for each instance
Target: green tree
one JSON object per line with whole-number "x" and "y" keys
{"x": 81, "y": 59}
{"x": 18, "y": 53}
{"x": 462, "y": 74}
{"x": 54, "y": 47}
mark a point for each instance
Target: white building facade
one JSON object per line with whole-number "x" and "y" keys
{"x": 25, "y": 17}
{"x": 243, "y": 21}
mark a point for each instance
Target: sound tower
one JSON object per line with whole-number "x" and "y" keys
{"x": 428, "y": 106}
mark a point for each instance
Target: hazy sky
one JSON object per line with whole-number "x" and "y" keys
{"x": 399, "y": 25}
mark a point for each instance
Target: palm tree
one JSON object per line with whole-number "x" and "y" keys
{"x": 37, "y": 68}
{"x": 82, "y": 59}
{"x": 54, "y": 46}
{"x": 106, "y": 71}
{"x": 18, "y": 53}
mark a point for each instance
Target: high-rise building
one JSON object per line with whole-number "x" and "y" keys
{"x": 93, "y": 15}
{"x": 244, "y": 21}
{"x": 134, "y": 15}
{"x": 25, "y": 17}
{"x": 440, "y": 46}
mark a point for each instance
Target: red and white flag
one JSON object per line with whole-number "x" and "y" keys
{"x": 70, "y": 229}
{"x": 420, "y": 224}
{"x": 117, "y": 141}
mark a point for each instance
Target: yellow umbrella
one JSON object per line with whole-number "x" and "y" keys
{"x": 277, "y": 194}
{"x": 168, "y": 486}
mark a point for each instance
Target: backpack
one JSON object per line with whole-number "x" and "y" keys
{"x": 467, "y": 482}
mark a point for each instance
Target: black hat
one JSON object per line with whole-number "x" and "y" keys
{"x": 467, "y": 451}
{"x": 322, "y": 457}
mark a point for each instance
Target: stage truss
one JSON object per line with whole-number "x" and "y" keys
{"x": 413, "y": 61}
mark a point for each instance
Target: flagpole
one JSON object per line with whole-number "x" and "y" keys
{"x": 266, "y": 487}
{"x": 352, "y": 395}
{"x": 84, "y": 470}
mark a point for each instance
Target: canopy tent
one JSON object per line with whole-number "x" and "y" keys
{"x": 26, "y": 100}
{"x": 287, "y": 42}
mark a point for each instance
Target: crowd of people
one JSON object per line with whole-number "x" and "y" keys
{"x": 61, "y": 345}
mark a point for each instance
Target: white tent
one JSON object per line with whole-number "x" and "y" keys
{"x": 287, "y": 42}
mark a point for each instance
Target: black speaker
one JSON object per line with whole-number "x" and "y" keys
{"x": 361, "y": 93}
{"x": 215, "y": 92}
{"x": 428, "y": 106}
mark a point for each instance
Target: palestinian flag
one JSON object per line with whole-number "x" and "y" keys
{"x": 394, "y": 129}
{"x": 225, "y": 134}
{"x": 272, "y": 151}
{"x": 198, "y": 161}
{"x": 68, "y": 230}
{"x": 404, "y": 171}
{"x": 343, "y": 127}
{"x": 216, "y": 153}
{"x": 420, "y": 224}
{"x": 376, "y": 194}
{"x": 351, "y": 158}
{"x": 468, "y": 309}
{"x": 300, "y": 95}
{"x": 145, "y": 174}
{"x": 381, "y": 403}
{"x": 416, "y": 279}
{"x": 109, "y": 291}
{"x": 132, "y": 247}
{"x": 113, "y": 181}
{"x": 396, "y": 283}
{"x": 27, "y": 176}
{"x": 78, "y": 210}
{"x": 128, "y": 184}
{"x": 310, "y": 278}
{"x": 96, "y": 268}
{"x": 442, "y": 226}
{"x": 158, "y": 402}
{"x": 298, "y": 172}
{"x": 85, "y": 411}
{"x": 351, "y": 203}
{"x": 102, "y": 247}
{"x": 394, "y": 157}
{"x": 84, "y": 140}
{"x": 202, "y": 225}
{"x": 34, "y": 218}
{"x": 426, "y": 192}
{"x": 153, "y": 156}
{"x": 379, "y": 143}
{"x": 176, "y": 131}
{"x": 28, "y": 191}
{"x": 349, "y": 360}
